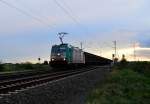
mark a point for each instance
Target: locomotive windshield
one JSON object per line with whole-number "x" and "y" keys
{"x": 58, "y": 49}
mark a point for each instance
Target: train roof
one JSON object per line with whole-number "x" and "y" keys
{"x": 96, "y": 55}
{"x": 66, "y": 44}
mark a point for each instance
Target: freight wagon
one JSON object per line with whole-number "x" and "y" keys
{"x": 65, "y": 54}
{"x": 91, "y": 59}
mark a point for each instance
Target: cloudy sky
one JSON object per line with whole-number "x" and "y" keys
{"x": 28, "y": 28}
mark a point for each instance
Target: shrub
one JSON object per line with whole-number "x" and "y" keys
{"x": 1, "y": 67}
{"x": 24, "y": 66}
{"x": 45, "y": 63}
{"x": 124, "y": 86}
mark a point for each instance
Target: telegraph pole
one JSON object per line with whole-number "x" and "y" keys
{"x": 81, "y": 44}
{"x": 114, "y": 56}
{"x": 115, "y": 48}
{"x": 100, "y": 52}
{"x": 134, "y": 54}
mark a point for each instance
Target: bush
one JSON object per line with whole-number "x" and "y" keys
{"x": 45, "y": 63}
{"x": 22, "y": 66}
{"x": 140, "y": 67}
{"x": 26, "y": 65}
{"x": 1, "y": 67}
{"x": 122, "y": 87}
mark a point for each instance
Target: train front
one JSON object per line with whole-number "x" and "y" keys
{"x": 58, "y": 55}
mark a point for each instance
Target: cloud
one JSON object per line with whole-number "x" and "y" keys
{"x": 145, "y": 43}
{"x": 143, "y": 53}
{"x": 105, "y": 9}
{"x": 123, "y": 38}
{"x": 22, "y": 53}
{"x": 144, "y": 38}
{"x": 50, "y": 13}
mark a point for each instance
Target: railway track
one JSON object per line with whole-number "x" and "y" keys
{"x": 8, "y": 86}
{"x": 21, "y": 74}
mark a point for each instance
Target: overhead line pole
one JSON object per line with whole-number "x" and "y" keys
{"x": 115, "y": 48}
{"x": 81, "y": 45}
{"x": 134, "y": 54}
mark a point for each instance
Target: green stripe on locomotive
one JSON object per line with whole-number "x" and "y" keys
{"x": 68, "y": 53}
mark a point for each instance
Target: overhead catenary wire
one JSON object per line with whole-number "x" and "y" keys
{"x": 66, "y": 11}
{"x": 69, "y": 10}
{"x": 70, "y": 15}
{"x": 31, "y": 11}
{"x": 36, "y": 18}
{"x": 26, "y": 13}
{"x": 75, "y": 16}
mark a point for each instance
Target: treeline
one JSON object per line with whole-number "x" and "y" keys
{"x": 22, "y": 66}
{"x": 138, "y": 66}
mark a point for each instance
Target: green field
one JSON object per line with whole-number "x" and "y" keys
{"x": 128, "y": 83}
{"x": 8, "y": 67}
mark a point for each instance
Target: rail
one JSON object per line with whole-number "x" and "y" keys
{"x": 22, "y": 83}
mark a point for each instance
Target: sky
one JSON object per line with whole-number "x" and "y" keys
{"x": 28, "y": 28}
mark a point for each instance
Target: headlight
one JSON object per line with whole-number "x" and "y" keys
{"x": 64, "y": 59}
{"x": 53, "y": 59}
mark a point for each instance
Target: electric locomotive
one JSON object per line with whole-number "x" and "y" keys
{"x": 65, "y": 54}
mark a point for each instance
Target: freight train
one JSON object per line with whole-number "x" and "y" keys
{"x": 65, "y": 54}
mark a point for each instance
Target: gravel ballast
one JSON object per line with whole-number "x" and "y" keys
{"x": 70, "y": 90}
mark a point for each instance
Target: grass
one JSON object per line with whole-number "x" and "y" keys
{"x": 22, "y": 67}
{"x": 129, "y": 84}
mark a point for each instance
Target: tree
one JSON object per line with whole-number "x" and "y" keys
{"x": 1, "y": 66}
{"x": 45, "y": 62}
{"x": 39, "y": 59}
{"x": 123, "y": 60}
